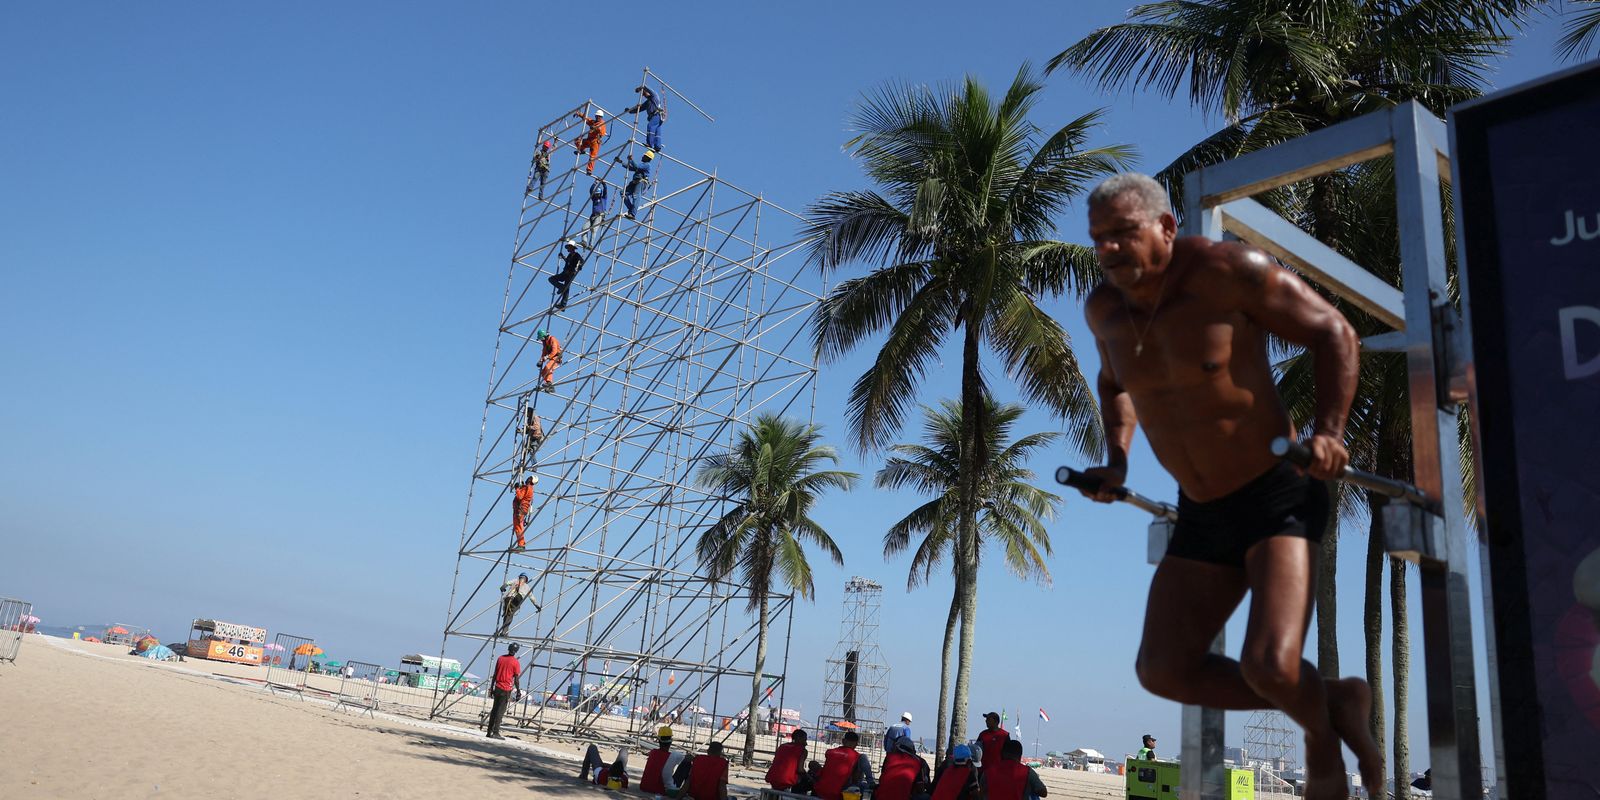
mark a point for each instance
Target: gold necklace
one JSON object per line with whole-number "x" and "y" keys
{"x": 1138, "y": 342}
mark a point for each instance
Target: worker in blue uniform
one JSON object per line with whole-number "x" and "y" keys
{"x": 640, "y": 179}
{"x": 655, "y": 114}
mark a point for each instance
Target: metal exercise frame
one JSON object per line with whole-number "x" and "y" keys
{"x": 682, "y": 324}
{"x": 1427, "y": 329}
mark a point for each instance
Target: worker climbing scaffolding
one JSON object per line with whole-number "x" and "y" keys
{"x": 591, "y": 138}
{"x": 539, "y": 170}
{"x": 572, "y": 264}
{"x": 599, "y": 203}
{"x": 549, "y": 358}
{"x": 640, "y": 179}
{"x": 521, "y": 502}
{"x": 655, "y": 114}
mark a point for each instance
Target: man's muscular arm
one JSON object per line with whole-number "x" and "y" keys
{"x": 1119, "y": 421}
{"x": 1285, "y": 306}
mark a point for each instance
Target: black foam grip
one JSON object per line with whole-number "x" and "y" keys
{"x": 1291, "y": 451}
{"x": 1067, "y": 476}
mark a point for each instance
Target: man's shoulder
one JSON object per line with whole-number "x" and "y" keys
{"x": 1198, "y": 256}
{"x": 1102, "y": 300}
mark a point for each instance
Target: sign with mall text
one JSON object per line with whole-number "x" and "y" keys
{"x": 1528, "y": 184}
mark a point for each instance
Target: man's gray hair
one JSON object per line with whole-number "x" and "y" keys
{"x": 1149, "y": 196}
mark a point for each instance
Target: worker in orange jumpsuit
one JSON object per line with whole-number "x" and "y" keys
{"x": 521, "y": 501}
{"x": 549, "y": 358}
{"x": 590, "y": 140}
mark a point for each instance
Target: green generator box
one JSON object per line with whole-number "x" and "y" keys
{"x": 1158, "y": 780}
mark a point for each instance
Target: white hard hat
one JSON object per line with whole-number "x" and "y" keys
{"x": 599, "y": 113}
{"x": 906, "y": 715}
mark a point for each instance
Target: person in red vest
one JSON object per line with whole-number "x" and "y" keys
{"x": 708, "y": 775}
{"x": 990, "y": 740}
{"x": 507, "y": 677}
{"x": 786, "y": 760}
{"x": 905, "y": 774}
{"x": 956, "y": 778}
{"x": 660, "y": 766}
{"x": 601, "y": 771}
{"x": 1009, "y": 778}
{"x": 843, "y": 766}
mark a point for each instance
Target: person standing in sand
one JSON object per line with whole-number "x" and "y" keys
{"x": 1181, "y": 326}
{"x": 507, "y": 679}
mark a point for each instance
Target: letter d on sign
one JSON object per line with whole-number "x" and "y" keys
{"x": 1569, "y": 341}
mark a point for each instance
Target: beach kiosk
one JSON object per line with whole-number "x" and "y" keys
{"x": 1158, "y": 780}
{"x": 430, "y": 672}
{"x": 226, "y": 641}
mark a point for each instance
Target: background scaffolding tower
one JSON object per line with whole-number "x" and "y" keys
{"x": 682, "y": 324}
{"x": 1269, "y": 752}
{"x": 857, "y": 676}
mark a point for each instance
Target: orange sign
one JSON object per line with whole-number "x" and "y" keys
{"x": 226, "y": 651}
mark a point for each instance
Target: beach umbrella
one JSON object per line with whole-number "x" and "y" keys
{"x": 471, "y": 677}
{"x": 117, "y": 630}
{"x": 849, "y": 726}
{"x": 308, "y": 649}
{"x": 334, "y": 664}
{"x": 30, "y": 619}
{"x": 272, "y": 646}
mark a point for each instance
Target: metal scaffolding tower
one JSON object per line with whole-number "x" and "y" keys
{"x": 681, "y": 325}
{"x": 857, "y": 676}
{"x": 1270, "y": 751}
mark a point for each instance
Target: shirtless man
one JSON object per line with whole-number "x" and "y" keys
{"x": 1181, "y": 325}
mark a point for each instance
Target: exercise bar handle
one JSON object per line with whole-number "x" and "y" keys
{"x": 1067, "y": 476}
{"x": 1299, "y": 455}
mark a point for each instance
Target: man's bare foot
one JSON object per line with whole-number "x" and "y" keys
{"x": 1349, "y": 706}
{"x": 1325, "y": 776}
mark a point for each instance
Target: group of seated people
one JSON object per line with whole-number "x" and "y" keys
{"x": 843, "y": 774}
{"x": 666, "y": 773}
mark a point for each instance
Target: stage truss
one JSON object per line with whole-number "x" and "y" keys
{"x": 682, "y": 325}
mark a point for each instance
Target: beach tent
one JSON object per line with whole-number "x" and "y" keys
{"x": 160, "y": 652}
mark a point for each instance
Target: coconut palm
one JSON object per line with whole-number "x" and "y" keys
{"x": 1013, "y": 511}
{"x": 773, "y": 473}
{"x": 1581, "y": 31}
{"x": 958, "y": 235}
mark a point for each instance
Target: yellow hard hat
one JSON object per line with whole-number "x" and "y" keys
{"x": 665, "y": 732}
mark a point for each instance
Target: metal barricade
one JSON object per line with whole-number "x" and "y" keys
{"x": 291, "y": 663}
{"x": 16, "y": 620}
{"x": 358, "y": 686}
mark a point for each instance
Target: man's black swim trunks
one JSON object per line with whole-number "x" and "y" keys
{"x": 1281, "y": 502}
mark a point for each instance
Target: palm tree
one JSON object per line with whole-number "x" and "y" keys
{"x": 1581, "y": 31}
{"x": 1013, "y": 510}
{"x": 959, "y": 238}
{"x": 773, "y": 473}
{"x": 1277, "y": 70}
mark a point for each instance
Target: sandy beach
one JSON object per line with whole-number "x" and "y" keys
{"x": 85, "y": 720}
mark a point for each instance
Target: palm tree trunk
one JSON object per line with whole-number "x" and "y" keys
{"x": 1325, "y": 226}
{"x": 942, "y": 740}
{"x": 1327, "y": 604}
{"x": 750, "y": 720}
{"x": 1372, "y": 624}
{"x": 1401, "y": 656}
{"x": 967, "y": 536}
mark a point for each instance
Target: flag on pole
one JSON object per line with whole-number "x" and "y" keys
{"x": 1044, "y": 716}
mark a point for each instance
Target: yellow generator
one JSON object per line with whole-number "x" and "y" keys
{"x": 1158, "y": 780}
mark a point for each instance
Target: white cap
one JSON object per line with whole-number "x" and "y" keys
{"x": 906, "y": 715}
{"x": 599, "y": 113}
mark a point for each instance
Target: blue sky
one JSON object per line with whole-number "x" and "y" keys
{"x": 253, "y": 263}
